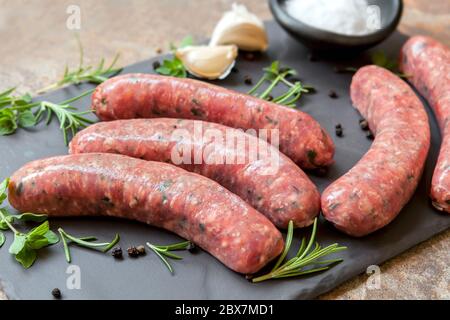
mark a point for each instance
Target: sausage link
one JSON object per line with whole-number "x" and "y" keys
{"x": 374, "y": 191}
{"x": 427, "y": 64}
{"x": 267, "y": 180}
{"x": 159, "y": 194}
{"x": 152, "y": 96}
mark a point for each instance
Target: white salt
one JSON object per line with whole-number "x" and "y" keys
{"x": 349, "y": 17}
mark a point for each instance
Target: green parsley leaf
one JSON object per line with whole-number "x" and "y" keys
{"x": 8, "y": 123}
{"x": 24, "y": 246}
{"x": 38, "y": 231}
{"x": 174, "y": 68}
{"x": 380, "y": 59}
{"x": 187, "y": 41}
{"x": 18, "y": 244}
{"x": 3, "y": 188}
{"x": 51, "y": 237}
{"x": 26, "y": 256}
{"x": 6, "y": 214}
{"x": 30, "y": 217}
{"x": 26, "y": 119}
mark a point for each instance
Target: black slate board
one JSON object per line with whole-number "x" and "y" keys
{"x": 200, "y": 276}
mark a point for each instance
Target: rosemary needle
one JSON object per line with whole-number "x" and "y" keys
{"x": 90, "y": 74}
{"x": 163, "y": 251}
{"x": 275, "y": 76}
{"x": 306, "y": 261}
{"x": 85, "y": 242}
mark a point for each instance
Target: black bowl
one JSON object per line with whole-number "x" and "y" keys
{"x": 321, "y": 40}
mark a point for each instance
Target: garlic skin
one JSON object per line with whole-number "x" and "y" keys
{"x": 242, "y": 28}
{"x": 208, "y": 62}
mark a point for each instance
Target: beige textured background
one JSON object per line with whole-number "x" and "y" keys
{"x": 35, "y": 46}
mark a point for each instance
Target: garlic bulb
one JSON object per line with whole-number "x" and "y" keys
{"x": 208, "y": 62}
{"x": 242, "y": 28}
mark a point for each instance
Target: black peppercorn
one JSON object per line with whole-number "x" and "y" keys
{"x": 332, "y": 94}
{"x": 269, "y": 98}
{"x": 133, "y": 252}
{"x": 248, "y": 80}
{"x": 117, "y": 253}
{"x": 369, "y": 135}
{"x": 311, "y": 90}
{"x": 56, "y": 293}
{"x": 364, "y": 124}
{"x": 156, "y": 65}
{"x": 141, "y": 249}
{"x": 339, "y": 132}
{"x": 191, "y": 247}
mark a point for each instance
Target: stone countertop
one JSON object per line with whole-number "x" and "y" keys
{"x": 36, "y": 44}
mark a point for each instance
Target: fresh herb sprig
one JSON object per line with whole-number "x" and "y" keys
{"x": 20, "y": 113}
{"x": 25, "y": 245}
{"x": 85, "y": 242}
{"x": 84, "y": 73}
{"x": 380, "y": 59}
{"x": 174, "y": 67}
{"x": 307, "y": 259}
{"x": 164, "y": 251}
{"x": 276, "y": 75}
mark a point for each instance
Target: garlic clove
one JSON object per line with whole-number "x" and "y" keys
{"x": 242, "y": 28}
{"x": 208, "y": 62}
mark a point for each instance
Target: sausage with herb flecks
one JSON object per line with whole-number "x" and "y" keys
{"x": 374, "y": 191}
{"x": 160, "y": 194}
{"x": 249, "y": 167}
{"x": 153, "y": 96}
{"x": 427, "y": 64}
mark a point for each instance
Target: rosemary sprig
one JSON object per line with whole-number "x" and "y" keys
{"x": 19, "y": 113}
{"x": 69, "y": 118}
{"x": 164, "y": 251}
{"x": 305, "y": 261}
{"x": 85, "y": 73}
{"x": 85, "y": 242}
{"x": 276, "y": 76}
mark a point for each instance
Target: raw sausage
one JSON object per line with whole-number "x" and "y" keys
{"x": 374, "y": 191}
{"x": 427, "y": 64}
{"x": 152, "y": 96}
{"x": 266, "y": 179}
{"x": 192, "y": 206}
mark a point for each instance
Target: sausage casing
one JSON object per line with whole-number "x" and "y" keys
{"x": 269, "y": 181}
{"x": 153, "y": 96}
{"x": 192, "y": 206}
{"x": 374, "y": 191}
{"x": 427, "y": 64}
